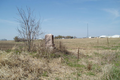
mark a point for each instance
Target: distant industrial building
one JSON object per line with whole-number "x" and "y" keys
{"x": 91, "y": 37}
{"x": 103, "y": 36}
{"x": 114, "y": 36}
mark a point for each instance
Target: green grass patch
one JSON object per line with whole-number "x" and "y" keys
{"x": 96, "y": 68}
{"x": 79, "y": 74}
{"x": 45, "y": 74}
{"x": 72, "y": 61}
{"x": 74, "y": 65}
{"x": 102, "y": 47}
{"x": 8, "y": 50}
{"x": 97, "y": 54}
{"x": 114, "y": 73}
{"x": 107, "y": 48}
{"x": 91, "y": 73}
{"x": 115, "y": 47}
{"x": 57, "y": 78}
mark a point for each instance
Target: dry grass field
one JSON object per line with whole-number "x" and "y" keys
{"x": 6, "y": 45}
{"x": 92, "y": 43}
{"x": 96, "y": 59}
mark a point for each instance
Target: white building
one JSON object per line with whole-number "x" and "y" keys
{"x": 115, "y": 36}
{"x": 103, "y": 36}
{"x": 90, "y": 37}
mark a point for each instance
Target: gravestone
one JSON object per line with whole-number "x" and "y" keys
{"x": 49, "y": 41}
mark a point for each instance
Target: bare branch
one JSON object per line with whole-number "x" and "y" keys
{"x": 29, "y": 29}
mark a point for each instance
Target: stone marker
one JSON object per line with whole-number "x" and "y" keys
{"x": 49, "y": 41}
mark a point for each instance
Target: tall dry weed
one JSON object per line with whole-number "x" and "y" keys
{"x": 21, "y": 66}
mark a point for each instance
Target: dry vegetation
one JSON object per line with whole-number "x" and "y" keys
{"x": 92, "y": 43}
{"x": 7, "y": 45}
{"x": 99, "y": 59}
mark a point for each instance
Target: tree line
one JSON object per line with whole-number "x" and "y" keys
{"x": 17, "y": 39}
{"x": 65, "y": 37}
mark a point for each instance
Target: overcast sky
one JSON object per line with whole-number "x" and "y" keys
{"x": 64, "y": 17}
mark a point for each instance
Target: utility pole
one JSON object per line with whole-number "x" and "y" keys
{"x": 87, "y": 31}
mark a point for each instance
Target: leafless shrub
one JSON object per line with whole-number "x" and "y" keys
{"x": 29, "y": 28}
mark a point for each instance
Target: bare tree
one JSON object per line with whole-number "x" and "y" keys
{"x": 29, "y": 27}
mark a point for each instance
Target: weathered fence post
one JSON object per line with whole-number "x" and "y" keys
{"x": 78, "y": 55}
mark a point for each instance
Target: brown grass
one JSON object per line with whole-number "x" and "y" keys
{"x": 95, "y": 61}
{"x": 89, "y": 43}
{"x": 5, "y": 45}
